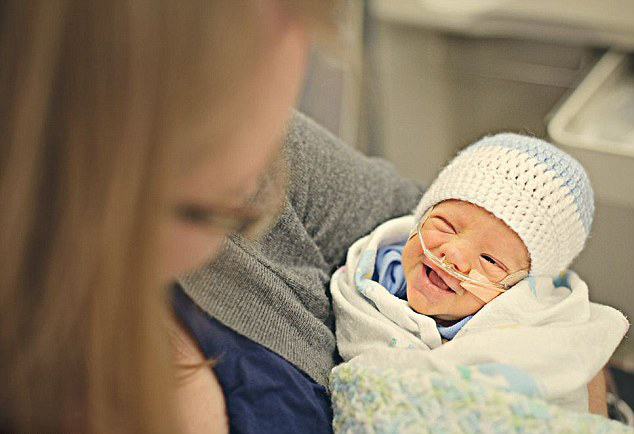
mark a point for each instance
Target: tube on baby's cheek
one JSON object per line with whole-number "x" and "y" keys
{"x": 481, "y": 292}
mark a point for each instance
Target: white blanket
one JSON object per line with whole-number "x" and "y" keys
{"x": 538, "y": 338}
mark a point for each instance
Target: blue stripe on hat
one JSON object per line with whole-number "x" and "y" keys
{"x": 560, "y": 163}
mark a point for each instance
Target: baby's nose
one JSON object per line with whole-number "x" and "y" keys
{"x": 458, "y": 254}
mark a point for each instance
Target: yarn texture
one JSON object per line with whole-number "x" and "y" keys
{"x": 539, "y": 191}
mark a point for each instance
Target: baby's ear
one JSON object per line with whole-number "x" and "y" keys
{"x": 412, "y": 234}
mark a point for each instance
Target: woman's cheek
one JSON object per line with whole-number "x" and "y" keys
{"x": 188, "y": 247}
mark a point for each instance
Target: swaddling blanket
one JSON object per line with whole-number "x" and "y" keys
{"x": 541, "y": 338}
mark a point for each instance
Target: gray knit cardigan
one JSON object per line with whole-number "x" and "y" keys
{"x": 275, "y": 291}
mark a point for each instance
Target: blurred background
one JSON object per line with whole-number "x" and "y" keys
{"x": 416, "y": 80}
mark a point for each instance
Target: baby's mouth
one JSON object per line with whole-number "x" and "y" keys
{"x": 434, "y": 278}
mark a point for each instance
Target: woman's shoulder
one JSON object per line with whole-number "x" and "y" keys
{"x": 339, "y": 193}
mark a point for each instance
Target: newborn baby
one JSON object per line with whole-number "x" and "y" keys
{"x": 477, "y": 277}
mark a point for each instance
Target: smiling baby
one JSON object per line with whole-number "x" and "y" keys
{"x": 480, "y": 270}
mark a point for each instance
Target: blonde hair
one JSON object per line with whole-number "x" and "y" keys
{"x": 96, "y": 102}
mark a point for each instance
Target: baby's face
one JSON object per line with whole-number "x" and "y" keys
{"x": 471, "y": 239}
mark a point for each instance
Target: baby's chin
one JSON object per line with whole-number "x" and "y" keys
{"x": 420, "y": 304}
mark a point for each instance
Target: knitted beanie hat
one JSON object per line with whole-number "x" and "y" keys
{"x": 539, "y": 191}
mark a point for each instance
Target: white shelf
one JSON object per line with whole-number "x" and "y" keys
{"x": 606, "y": 23}
{"x": 596, "y": 125}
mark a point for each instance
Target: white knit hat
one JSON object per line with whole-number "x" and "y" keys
{"x": 538, "y": 190}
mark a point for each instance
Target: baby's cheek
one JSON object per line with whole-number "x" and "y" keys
{"x": 434, "y": 239}
{"x": 411, "y": 253}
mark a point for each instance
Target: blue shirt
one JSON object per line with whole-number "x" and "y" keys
{"x": 263, "y": 392}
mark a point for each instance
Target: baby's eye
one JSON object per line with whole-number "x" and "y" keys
{"x": 490, "y": 260}
{"x": 492, "y": 268}
{"x": 443, "y": 225}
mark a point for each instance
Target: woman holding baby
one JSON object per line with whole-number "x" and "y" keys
{"x": 135, "y": 137}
